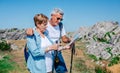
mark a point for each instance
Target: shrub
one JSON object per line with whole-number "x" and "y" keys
{"x": 4, "y": 45}
{"x": 114, "y": 60}
{"x": 99, "y": 69}
{"x": 108, "y": 49}
{"x": 93, "y": 57}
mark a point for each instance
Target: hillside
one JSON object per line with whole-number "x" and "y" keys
{"x": 98, "y": 48}
{"x": 79, "y": 58}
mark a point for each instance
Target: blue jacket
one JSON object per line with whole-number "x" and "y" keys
{"x": 36, "y": 59}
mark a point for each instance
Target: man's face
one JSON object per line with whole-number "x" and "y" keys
{"x": 56, "y": 19}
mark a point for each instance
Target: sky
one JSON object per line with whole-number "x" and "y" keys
{"x": 77, "y": 13}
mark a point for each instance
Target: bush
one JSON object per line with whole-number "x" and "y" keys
{"x": 93, "y": 57}
{"x": 99, "y": 69}
{"x": 4, "y": 45}
{"x": 114, "y": 60}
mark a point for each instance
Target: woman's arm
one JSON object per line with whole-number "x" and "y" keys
{"x": 33, "y": 47}
{"x": 36, "y": 50}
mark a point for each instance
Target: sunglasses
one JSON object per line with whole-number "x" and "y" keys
{"x": 59, "y": 19}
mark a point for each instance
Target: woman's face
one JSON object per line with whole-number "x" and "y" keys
{"x": 42, "y": 27}
{"x": 56, "y": 19}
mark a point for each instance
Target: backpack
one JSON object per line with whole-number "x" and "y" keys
{"x": 26, "y": 54}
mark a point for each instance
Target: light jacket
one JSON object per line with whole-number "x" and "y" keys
{"x": 36, "y": 59}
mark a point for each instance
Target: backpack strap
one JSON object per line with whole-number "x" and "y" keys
{"x": 60, "y": 27}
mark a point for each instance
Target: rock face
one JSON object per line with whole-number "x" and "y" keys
{"x": 12, "y": 34}
{"x": 103, "y": 39}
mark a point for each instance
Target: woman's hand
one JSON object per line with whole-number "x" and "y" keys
{"x": 54, "y": 47}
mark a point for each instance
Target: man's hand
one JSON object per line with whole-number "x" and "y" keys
{"x": 29, "y": 31}
{"x": 69, "y": 46}
{"x": 65, "y": 39}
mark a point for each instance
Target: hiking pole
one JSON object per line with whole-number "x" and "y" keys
{"x": 56, "y": 60}
{"x": 72, "y": 52}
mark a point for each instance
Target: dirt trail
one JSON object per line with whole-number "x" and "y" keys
{"x": 67, "y": 58}
{"x": 18, "y": 56}
{"x": 115, "y": 68}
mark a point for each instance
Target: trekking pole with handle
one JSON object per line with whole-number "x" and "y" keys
{"x": 72, "y": 52}
{"x": 76, "y": 35}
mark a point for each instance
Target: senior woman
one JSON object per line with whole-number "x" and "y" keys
{"x": 40, "y": 47}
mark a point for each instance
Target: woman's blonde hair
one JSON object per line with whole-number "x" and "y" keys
{"x": 40, "y": 18}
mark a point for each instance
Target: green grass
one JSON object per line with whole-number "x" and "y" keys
{"x": 93, "y": 57}
{"x": 82, "y": 67}
{"x": 6, "y": 65}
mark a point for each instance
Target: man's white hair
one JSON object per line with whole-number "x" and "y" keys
{"x": 57, "y": 10}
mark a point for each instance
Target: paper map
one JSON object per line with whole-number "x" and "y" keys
{"x": 74, "y": 38}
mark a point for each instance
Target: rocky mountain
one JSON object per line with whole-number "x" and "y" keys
{"x": 12, "y": 34}
{"x": 103, "y": 39}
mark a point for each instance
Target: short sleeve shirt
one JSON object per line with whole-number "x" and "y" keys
{"x": 54, "y": 32}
